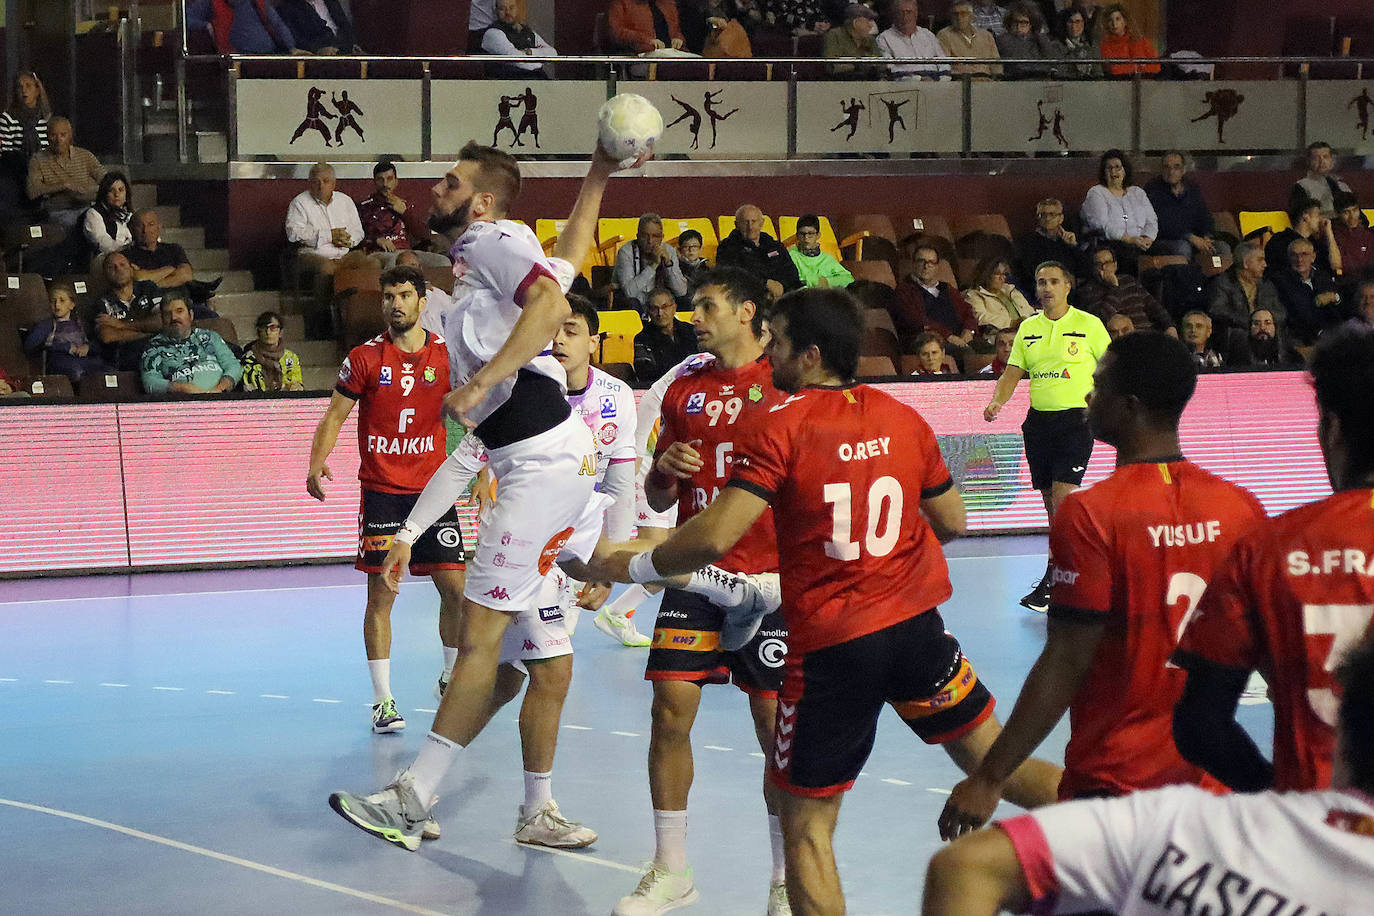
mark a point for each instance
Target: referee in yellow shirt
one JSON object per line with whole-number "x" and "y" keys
{"x": 1058, "y": 348}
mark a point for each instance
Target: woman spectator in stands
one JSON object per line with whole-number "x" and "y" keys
{"x": 1023, "y": 38}
{"x": 511, "y": 35}
{"x": 642, "y": 26}
{"x": 62, "y": 338}
{"x": 995, "y": 301}
{"x": 1076, "y": 47}
{"x": 106, "y": 224}
{"x": 1119, "y": 42}
{"x": 930, "y": 355}
{"x": 728, "y": 23}
{"x": 241, "y": 26}
{"x": 267, "y": 364}
{"x": 330, "y": 33}
{"x": 1119, "y": 211}
{"x": 23, "y": 132}
{"x": 1234, "y": 296}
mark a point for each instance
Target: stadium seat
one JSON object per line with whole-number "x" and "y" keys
{"x": 618, "y": 330}
{"x": 877, "y": 271}
{"x": 870, "y": 235}
{"x": 1224, "y": 222}
{"x": 439, "y": 277}
{"x": 879, "y": 318}
{"x": 988, "y": 223}
{"x": 876, "y": 367}
{"x": 975, "y": 363}
{"x": 1203, "y": 261}
{"x": 547, "y": 231}
{"x": 787, "y": 225}
{"x": 964, "y": 270}
{"x": 87, "y": 291}
{"x": 623, "y": 371}
{"x": 51, "y": 386}
{"x": 221, "y": 326}
{"x": 980, "y": 244}
{"x": 928, "y": 224}
{"x": 726, "y": 225}
{"x": 358, "y": 280}
{"x": 1250, "y": 220}
{"x": 109, "y": 386}
{"x": 619, "y": 230}
{"x": 24, "y": 300}
{"x": 880, "y": 342}
{"x": 32, "y": 236}
{"x": 909, "y": 363}
{"x": 359, "y": 318}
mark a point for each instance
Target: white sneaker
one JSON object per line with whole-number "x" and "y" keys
{"x": 659, "y": 891}
{"x": 620, "y": 628}
{"x": 548, "y": 827}
{"x": 395, "y": 814}
{"x": 430, "y": 831}
{"x": 743, "y": 620}
{"x": 778, "y": 904}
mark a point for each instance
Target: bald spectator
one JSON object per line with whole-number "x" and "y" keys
{"x": 63, "y": 178}
{"x": 924, "y": 303}
{"x": 645, "y": 25}
{"x": 908, "y": 42}
{"x": 155, "y": 261}
{"x": 185, "y": 359}
{"x": 1319, "y": 185}
{"x": 127, "y": 316}
{"x": 1308, "y": 293}
{"x": 1232, "y": 296}
{"x": 325, "y": 226}
{"x": 511, "y": 35}
{"x": 646, "y": 263}
{"x": 1048, "y": 241}
{"x": 1107, "y": 292}
{"x": 749, "y": 247}
{"x": 1119, "y": 325}
{"x": 963, "y": 38}
{"x": 858, "y": 37}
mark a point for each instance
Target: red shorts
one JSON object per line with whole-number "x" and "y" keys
{"x": 381, "y": 515}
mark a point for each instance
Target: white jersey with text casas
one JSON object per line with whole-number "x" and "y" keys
{"x": 1182, "y": 850}
{"x": 607, "y": 406}
{"x": 648, "y": 418}
{"x": 494, "y": 264}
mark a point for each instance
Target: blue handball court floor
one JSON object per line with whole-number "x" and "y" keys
{"x": 169, "y": 741}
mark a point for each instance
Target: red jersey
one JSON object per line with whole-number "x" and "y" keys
{"x": 1135, "y": 551}
{"x": 707, "y": 407}
{"x": 1293, "y": 597}
{"x": 400, "y": 411}
{"x": 845, "y": 470}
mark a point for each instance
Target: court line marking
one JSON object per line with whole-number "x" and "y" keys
{"x": 582, "y": 857}
{"x": 626, "y": 734}
{"x": 225, "y": 857}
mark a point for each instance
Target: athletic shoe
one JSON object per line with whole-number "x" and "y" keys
{"x": 659, "y": 891}
{"x": 442, "y": 685}
{"x": 385, "y": 718}
{"x": 548, "y": 827}
{"x": 744, "y": 619}
{"x": 1038, "y": 600}
{"x": 621, "y": 629}
{"x": 394, "y": 814}
{"x": 778, "y": 904}
{"x": 430, "y": 831}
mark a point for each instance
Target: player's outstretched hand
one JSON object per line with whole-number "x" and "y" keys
{"x": 461, "y": 402}
{"x": 969, "y": 807}
{"x": 681, "y": 460}
{"x": 313, "y": 486}
{"x": 593, "y": 595}
{"x": 395, "y": 565}
{"x": 603, "y": 162}
{"x": 991, "y": 411}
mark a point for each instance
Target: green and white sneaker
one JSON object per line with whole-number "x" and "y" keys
{"x": 658, "y": 892}
{"x": 395, "y": 814}
{"x": 385, "y": 718}
{"x": 621, "y": 629}
{"x": 548, "y": 827}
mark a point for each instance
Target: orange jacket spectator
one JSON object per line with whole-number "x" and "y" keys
{"x": 1119, "y": 40}
{"x": 632, "y": 23}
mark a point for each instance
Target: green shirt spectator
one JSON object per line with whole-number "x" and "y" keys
{"x": 815, "y": 267}
{"x": 184, "y": 359}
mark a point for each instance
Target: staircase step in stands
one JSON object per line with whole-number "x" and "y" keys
{"x": 185, "y": 236}
{"x": 170, "y": 217}
{"x": 316, "y": 352}
{"x": 319, "y": 378}
{"x": 144, "y": 195}
{"x": 235, "y": 281}
{"x": 208, "y": 258}
{"x": 246, "y": 304}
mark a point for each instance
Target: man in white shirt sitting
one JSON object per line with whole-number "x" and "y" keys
{"x": 906, "y": 40}
{"x": 325, "y": 229}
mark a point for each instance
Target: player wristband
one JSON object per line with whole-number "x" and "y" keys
{"x": 642, "y": 568}
{"x": 409, "y": 533}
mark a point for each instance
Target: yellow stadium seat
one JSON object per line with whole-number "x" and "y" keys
{"x": 727, "y": 225}
{"x": 1369, "y": 216}
{"x": 672, "y": 228}
{"x": 683, "y": 316}
{"x": 618, "y": 330}
{"x": 787, "y": 226}
{"x": 547, "y": 230}
{"x": 622, "y": 228}
{"x": 1250, "y": 220}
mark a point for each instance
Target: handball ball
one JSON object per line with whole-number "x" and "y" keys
{"x": 627, "y": 125}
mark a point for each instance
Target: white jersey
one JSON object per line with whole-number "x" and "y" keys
{"x": 607, "y": 406}
{"x": 1182, "y": 850}
{"x": 495, "y": 263}
{"x": 648, "y": 418}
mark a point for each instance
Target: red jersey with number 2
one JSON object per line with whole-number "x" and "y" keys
{"x": 1135, "y": 552}
{"x": 708, "y": 408}
{"x": 845, "y": 470}
{"x": 1292, "y": 599}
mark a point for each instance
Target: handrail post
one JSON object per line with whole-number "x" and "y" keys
{"x": 183, "y": 112}
{"x": 426, "y": 113}
{"x": 792, "y": 113}
{"x": 966, "y": 95}
{"x": 231, "y": 97}
{"x": 1303, "y": 85}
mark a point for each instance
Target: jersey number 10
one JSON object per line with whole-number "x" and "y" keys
{"x": 883, "y": 511}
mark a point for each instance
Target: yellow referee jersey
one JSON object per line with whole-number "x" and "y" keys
{"x": 1059, "y": 357}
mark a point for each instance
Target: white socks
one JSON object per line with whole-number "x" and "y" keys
{"x": 779, "y": 856}
{"x": 721, "y": 588}
{"x": 628, "y": 601}
{"x": 437, "y": 756}
{"x": 450, "y": 658}
{"x": 538, "y": 789}
{"x": 380, "y": 669}
{"x": 670, "y": 838}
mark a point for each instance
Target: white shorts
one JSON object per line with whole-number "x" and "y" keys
{"x": 647, "y": 517}
{"x": 543, "y": 632}
{"x": 546, "y": 508}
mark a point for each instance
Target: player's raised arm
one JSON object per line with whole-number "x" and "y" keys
{"x": 326, "y": 437}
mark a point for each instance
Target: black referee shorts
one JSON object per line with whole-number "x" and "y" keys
{"x": 1058, "y": 446}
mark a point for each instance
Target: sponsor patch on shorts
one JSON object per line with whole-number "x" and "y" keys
{"x": 686, "y": 640}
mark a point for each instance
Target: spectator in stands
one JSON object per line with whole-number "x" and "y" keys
{"x": 63, "y": 178}
{"x": 689, "y": 259}
{"x": 1318, "y": 184}
{"x": 1049, "y": 241}
{"x": 728, "y": 23}
{"x": 1305, "y": 222}
{"x": 267, "y": 364}
{"x": 319, "y": 26}
{"x": 799, "y": 17}
{"x": 1076, "y": 46}
{"x": 963, "y": 38}
{"x": 62, "y": 339}
{"x": 509, "y": 35}
{"x": 1185, "y": 223}
{"x": 10, "y": 386}
{"x": 1119, "y": 325}
{"x": 185, "y": 359}
{"x": 923, "y": 302}
{"x": 1354, "y": 241}
{"x": 1232, "y": 297}
{"x": 1196, "y": 333}
{"x": 1119, "y": 211}
{"x": 23, "y": 133}
{"x": 664, "y": 341}
{"x": 645, "y": 25}
{"x": 1267, "y": 345}
{"x": 1107, "y": 292}
{"x": 242, "y": 26}
{"x": 390, "y": 224}
{"x": 1001, "y": 353}
{"x": 106, "y": 224}
{"x": 930, "y": 355}
{"x": 987, "y": 14}
{"x": 994, "y": 300}
{"x": 1023, "y": 38}
{"x": 1119, "y": 42}
{"x": 749, "y": 247}
{"x": 166, "y": 263}
{"x": 481, "y": 16}
{"x": 1308, "y": 293}
{"x": 906, "y": 40}
{"x": 127, "y": 315}
{"x": 646, "y": 263}
{"x": 325, "y": 227}
{"x": 1364, "y": 302}
{"x": 815, "y": 267}
{"x": 858, "y": 37}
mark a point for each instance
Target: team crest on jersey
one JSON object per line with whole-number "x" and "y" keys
{"x": 608, "y": 433}
{"x": 697, "y": 402}
{"x": 608, "y": 405}
{"x": 429, "y": 375}
{"x": 1072, "y": 349}
{"x": 756, "y": 392}
{"x": 385, "y": 378}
